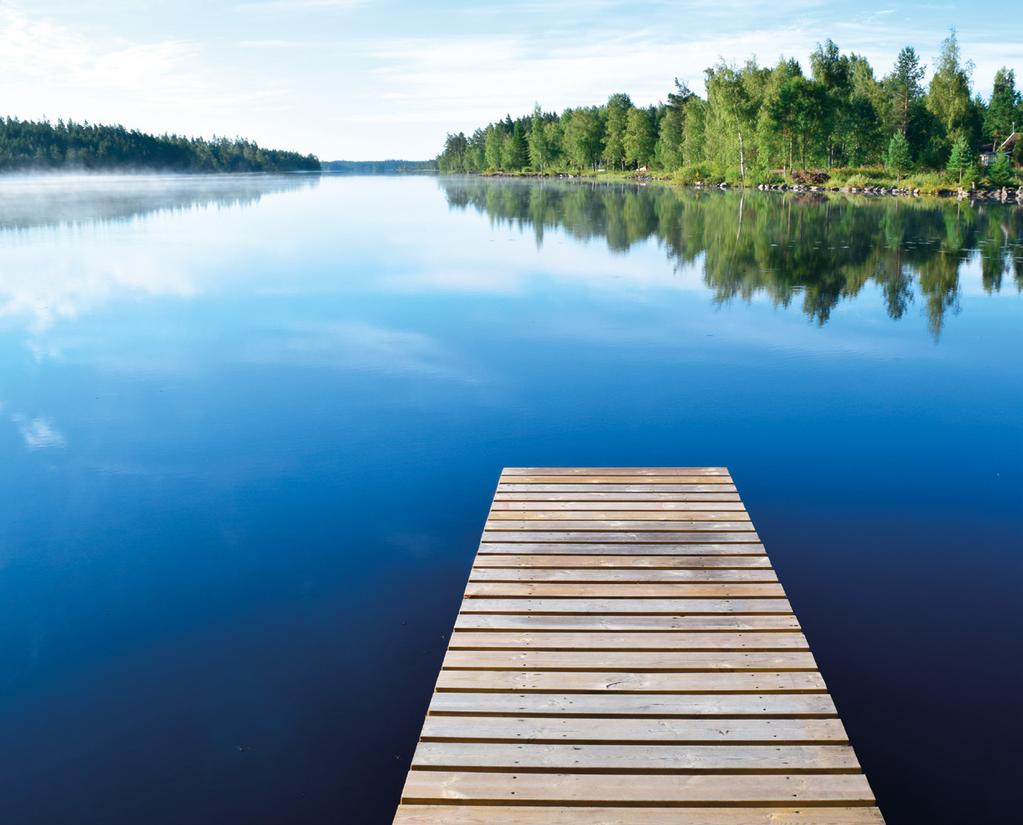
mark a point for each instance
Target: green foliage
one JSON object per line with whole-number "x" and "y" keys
{"x": 668, "y": 150}
{"x": 583, "y": 136}
{"x": 1000, "y": 172}
{"x": 640, "y": 137}
{"x": 26, "y": 144}
{"x": 904, "y": 92}
{"x": 513, "y": 149}
{"x": 617, "y": 113}
{"x": 759, "y": 125}
{"x": 960, "y": 160}
{"x": 539, "y": 147}
{"x": 1005, "y": 110}
{"x": 898, "y": 159}
{"x": 948, "y": 97}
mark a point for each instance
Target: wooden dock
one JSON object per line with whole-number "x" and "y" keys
{"x": 625, "y": 655}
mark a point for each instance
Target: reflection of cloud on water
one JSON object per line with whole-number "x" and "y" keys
{"x": 37, "y": 433}
{"x": 69, "y": 289}
{"x": 45, "y": 278}
{"x": 360, "y": 347}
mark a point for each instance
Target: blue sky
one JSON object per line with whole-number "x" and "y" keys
{"x": 363, "y": 79}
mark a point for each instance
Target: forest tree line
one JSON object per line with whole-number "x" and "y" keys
{"x": 760, "y": 125}
{"x": 66, "y": 145}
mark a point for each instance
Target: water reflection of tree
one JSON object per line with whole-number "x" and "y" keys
{"x": 49, "y": 201}
{"x": 820, "y": 249}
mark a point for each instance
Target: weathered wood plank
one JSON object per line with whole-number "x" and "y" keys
{"x": 650, "y": 789}
{"x": 630, "y": 759}
{"x": 599, "y": 640}
{"x": 677, "y": 487}
{"x": 648, "y": 624}
{"x": 615, "y": 471}
{"x": 655, "y": 683}
{"x": 640, "y": 498}
{"x": 628, "y": 661}
{"x": 565, "y": 705}
{"x": 613, "y": 607}
{"x": 614, "y": 590}
{"x": 448, "y": 814}
{"x": 657, "y": 507}
{"x": 648, "y": 480}
{"x": 603, "y": 516}
{"x": 707, "y": 535}
{"x": 608, "y": 525}
{"x": 520, "y": 546}
{"x": 618, "y": 577}
{"x": 639, "y": 731}
{"x": 535, "y": 561}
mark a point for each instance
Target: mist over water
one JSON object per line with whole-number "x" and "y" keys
{"x": 250, "y": 428}
{"x": 42, "y": 199}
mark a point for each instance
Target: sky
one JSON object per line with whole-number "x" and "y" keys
{"x": 369, "y": 79}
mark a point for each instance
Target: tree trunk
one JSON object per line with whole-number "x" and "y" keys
{"x": 742, "y": 158}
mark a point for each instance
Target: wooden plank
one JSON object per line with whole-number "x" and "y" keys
{"x": 609, "y": 524}
{"x": 610, "y": 706}
{"x": 647, "y": 480}
{"x": 640, "y": 576}
{"x": 575, "y": 562}
{"x": 556, "y": 730}
{"x": 707, "y": 623}
{"x": 623, "y": 683}
{"x": 589, "y": 548}
{"x": 607, "y": 517}
{"x": 621, "y": 607}
{"x": 485, "y": 787}
{"x": 632, "y": 537}
{"x": 658, "y": 507}
{"x": 624, "y": 654}
{"x": 614, "y": 590}
{"x": 600, "y": 640}
{"x": 508, "y": 487}
{"x": 616, "y": 471}
{"x": 591, "y": 496}
{"x": 629, "y": 661}
{"x": 709, "y": 513}
{"x": 670, "y": 759}
{"x": 460, "y": 814}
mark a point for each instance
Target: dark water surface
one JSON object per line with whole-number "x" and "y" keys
{"x": 250, "y": 427}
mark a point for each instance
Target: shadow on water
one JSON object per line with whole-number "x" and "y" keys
{"x": 37, "y": 201}
{"x": 817, "y": 248}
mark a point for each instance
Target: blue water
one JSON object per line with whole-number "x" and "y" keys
{"x": 250, "y": 428}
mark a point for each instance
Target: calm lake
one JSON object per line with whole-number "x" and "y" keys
{"x": 250, "y": 428}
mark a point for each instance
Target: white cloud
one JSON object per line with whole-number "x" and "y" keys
{"x": 299, "y": 6}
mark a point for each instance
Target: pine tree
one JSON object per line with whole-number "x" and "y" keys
{"x": 960, "y": 160}
{"x": 904, "y": 88}
{"x": 899, "y": 160}
{"x": 539, "y": 151}
{"x": 1000, "y": 171}
{"x": 1003, "y": 110}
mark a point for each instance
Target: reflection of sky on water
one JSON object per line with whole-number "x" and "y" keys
{"x": 249, "y": 440}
